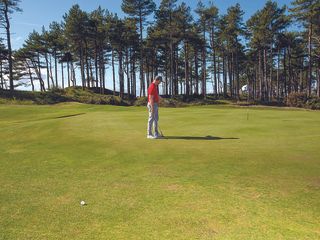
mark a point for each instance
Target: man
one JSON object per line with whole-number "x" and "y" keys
{"x": 153, "y": 105}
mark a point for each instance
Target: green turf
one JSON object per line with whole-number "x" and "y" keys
{"x": 256, "y": 177}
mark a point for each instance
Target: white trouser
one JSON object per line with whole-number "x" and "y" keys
{"x": 153, "y": 119}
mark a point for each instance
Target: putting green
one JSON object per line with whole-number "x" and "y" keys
{"x": 223, "y": 173}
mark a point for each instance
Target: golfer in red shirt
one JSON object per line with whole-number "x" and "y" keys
{"x": 153, "y": 105}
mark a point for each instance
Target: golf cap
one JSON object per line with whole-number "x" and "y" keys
{"x": 158, "y": 78}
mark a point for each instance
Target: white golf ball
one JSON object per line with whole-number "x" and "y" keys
{"x": 83, "y": 203}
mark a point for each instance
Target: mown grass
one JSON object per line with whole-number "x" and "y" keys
{"x": 224, "y": 173}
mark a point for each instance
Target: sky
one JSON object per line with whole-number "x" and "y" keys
{"x": 38, "y": 13}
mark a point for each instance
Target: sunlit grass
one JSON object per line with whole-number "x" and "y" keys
{"x": 223, "y": 173}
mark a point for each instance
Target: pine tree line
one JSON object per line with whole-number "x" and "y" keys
{"x": 198, "y": 53}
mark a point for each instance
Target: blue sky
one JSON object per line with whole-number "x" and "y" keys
{"x": 37, "y": 13}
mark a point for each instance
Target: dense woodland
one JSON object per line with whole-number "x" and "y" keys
{"x": 197, "y": 51}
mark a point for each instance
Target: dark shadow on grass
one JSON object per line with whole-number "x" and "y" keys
{"x": 58, "y": 117}
{"x": 197, "y": 138}
{"x": 71, "y": 115}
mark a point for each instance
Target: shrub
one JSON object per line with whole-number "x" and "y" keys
{"x": 313, "y": 103}
{"x": 171, "y": 102}
{"x": 179, "y": 101}
{"x": 88, "y": 96}
{"x": 15, "y": 101}
{"x": 141, "y": 101}
{"x": 297, "y": 99}
{"x": 303, "y": 101}
{"x": 50, "y": 97}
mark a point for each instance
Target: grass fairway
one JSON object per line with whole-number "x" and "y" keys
{"x": 256, "y": 177}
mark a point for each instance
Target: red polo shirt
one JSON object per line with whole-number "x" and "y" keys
{"x": 153, "y": 90}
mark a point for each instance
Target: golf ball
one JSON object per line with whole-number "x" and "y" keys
{"x": 83, "y": 203}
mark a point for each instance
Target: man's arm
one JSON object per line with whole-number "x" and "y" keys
{"x": 151, "y": 102}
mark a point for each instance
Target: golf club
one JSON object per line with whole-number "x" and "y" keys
{"x": 161, "y": 133}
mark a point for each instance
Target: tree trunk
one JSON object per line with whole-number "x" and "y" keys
{"x": 47, "y": 66}
{"x": 176, "y": 75}
{"x": 56, "y": 68}
{"x": 191, "y": 77}
{"x": 255, "y": 92}
{"x": 285, "y": 73}
{"x": 166, "y": 82}
{"x": 96, "y": 64}
{"x": 7, "y": 26}
{"x": 310, "y": 58}
{"x": 102, "y": 72}
{"x": 121, "y": 76}
{"x": 265, "y": 71}
{"x": 171, "y": 54}
{"x": 62, "y": 75}
{"x": 186, "y": 68}
{"x": 142, "y": 83}
{"x": 113, "y": 73}
{"x": 171, "y": 67}
{"x": 278, "y": 76}
{"x": 128, "y": 73}
{"x": 218, "y": 75}
{"x": 260, "y": 78}
{"x": 229, "y": 63}
{"x": 83, "y": 79}
{"x": 30, "y": 75}
{"x": 91, "y": 79}
{"x": 301, "y": 86}
{"x": 1, "y": 75}
{"x": 289, "y": 71}
{"x": 215, "y": 90}
{"x": 134, "y": 76}
{"x": 68, "y": 71}
{"x": 132, "y": 66}
{"x": 224, "y": 73}
{"x": 50, "y": 71}
{"x": 196, "y": 70}
{"x": 73, "y": 75}
{"x": 237, "y": 77}
{"x": 87, "y": 64}
{"x": 204, "y": 69}
{"x": 38, "y": 71}
{"x": 270, "y": 90}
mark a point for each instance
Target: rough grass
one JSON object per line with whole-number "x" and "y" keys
{"x": 224, "y": 173}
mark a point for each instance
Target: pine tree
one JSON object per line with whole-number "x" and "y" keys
{"x": 308, "y": 12}
{"x": 167, "y": 31}
{"x": 33, "y": 48}
{"x": 263, "y": 27}
{"x": 7, "y": 7}
{"x": 97, "y": 20}
{"x": 213, "y": 19}
{"x": 203, "y": 18}
{"x": 76, "y": 31}
{"x": 139, "y": 9}
{"x": 55, "y": 45}
{"x": 233, "y": 32}
{"x": 184, "y": 20}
